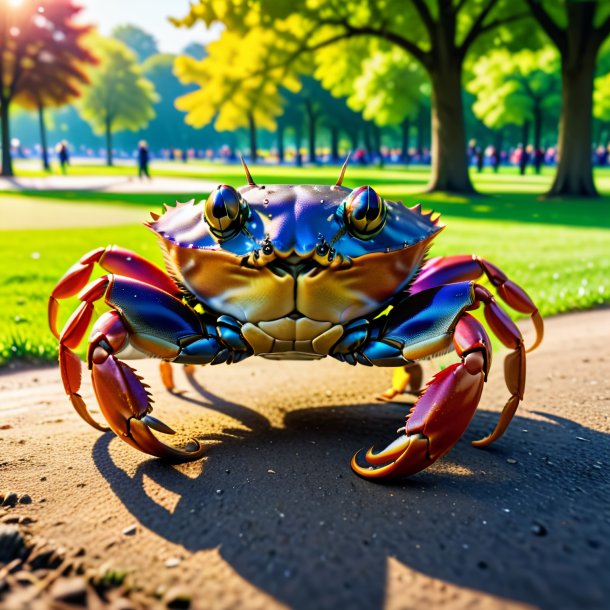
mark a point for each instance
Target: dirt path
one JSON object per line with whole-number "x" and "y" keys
{"x": 275, "y": 518}
{"x": 109, "y": 184}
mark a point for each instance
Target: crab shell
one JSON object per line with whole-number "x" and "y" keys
{"x": 295, "y": 278}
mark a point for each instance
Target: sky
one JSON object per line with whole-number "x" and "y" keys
{"x": 150, "y": 15}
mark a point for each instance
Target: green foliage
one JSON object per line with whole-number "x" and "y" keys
{"x": 390, "y": 88}
{"x": 229, "y": 93}
{"x": 143, "y": 44}
{"x": 119, "y": 97}
{"x": 512, "y": 87}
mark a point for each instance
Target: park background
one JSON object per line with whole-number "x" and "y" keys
{"x": 494, "y": 113}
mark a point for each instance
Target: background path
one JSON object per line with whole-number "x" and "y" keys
{"x": 273, "y": 517}
{"x": 108, "y": 184}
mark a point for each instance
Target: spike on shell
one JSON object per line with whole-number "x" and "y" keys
{"x": 343, "y": 169}
{"x": 248, "y": 174}
{"x": 155, "y": 216}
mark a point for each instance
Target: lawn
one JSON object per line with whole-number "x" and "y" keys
{"x": 558, "y": 250}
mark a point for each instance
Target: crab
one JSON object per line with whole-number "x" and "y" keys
{"x": 295, "y": 272}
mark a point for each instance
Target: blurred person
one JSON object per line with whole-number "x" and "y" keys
{"x": 63, "y": 156}
{"x": 494, "y": 158}
{"x": 472, "y": 152}
{"x": 538, "y": 159}
{"x": 601, "y": 154}
{"x": 143, "y": 158}
{"x": 480, "y": 159}
{"x": 522, "y": 156}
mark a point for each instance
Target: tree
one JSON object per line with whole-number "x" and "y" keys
{"x": 143, "y": 44}
{"x": 231, "y": 98}
{"x": 437, "y": 33}
{"x": 517, "y": 89}
{"x": 389, "y": 90}
{"x": 578, "y": 28}
{"x": 119, "y": 97}
{"x": 41, "y": 49}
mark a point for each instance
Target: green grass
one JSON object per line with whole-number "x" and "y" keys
{"x": 558, "y": 250}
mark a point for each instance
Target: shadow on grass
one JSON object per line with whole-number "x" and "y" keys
{"x": 289, "y": 516}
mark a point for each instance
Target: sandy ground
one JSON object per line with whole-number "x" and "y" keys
{"x": 20, "y": 213}
{"x": 273, "y": 516}
{"x": 23, "y": 213}
{"x": 108, "y": 184}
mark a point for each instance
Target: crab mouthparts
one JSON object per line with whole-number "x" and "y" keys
{"x": 295, "y": 266}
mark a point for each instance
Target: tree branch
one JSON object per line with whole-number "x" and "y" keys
{"x": 459, "y": 6}
{"x": 426, "y": 17}
{"x": 498, "y": 22}
{"x": 553, "y": 31}
{"x": 475, "y": 30}
{"x": 409, "y": 46}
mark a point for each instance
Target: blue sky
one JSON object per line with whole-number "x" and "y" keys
{"x": 150, "y": 15}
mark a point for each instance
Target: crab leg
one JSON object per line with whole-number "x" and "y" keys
{"x": 449, "y": 269}
{"x": 114, "y": 260}
{"x": 124, "y": 399}
{"x": 408, "y": 376}
{"x": 441, "y": 415}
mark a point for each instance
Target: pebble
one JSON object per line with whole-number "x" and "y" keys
{"x": 25, "y": 499}
{"x": 11, "y": 543}
{"x": 69, "y": 591}
{"x": 177, "y": 598}
{"x": 173, "y": 562}
{"x": 511, "y": 461}
{"x": 131, "y": 530}
{"x": 538, "y": 530}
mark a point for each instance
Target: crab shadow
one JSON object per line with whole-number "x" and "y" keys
{"x": 287, "y": 513}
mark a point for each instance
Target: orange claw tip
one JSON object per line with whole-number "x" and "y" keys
{"x": 505, "y": 418}
{"x": 81, "y": 408}
{"x": 413, "y": 459}
{"x": 144, "y": 440}
{"x": 539, "y": 326}
{"x": 52, "y": 315}
{"x": 391, "y": 452}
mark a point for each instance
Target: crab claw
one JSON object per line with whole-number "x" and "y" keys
{"x": 436, "y": 422}
{"x": 126, "y": 404}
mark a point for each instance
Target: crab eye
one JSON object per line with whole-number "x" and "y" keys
{"x": 225, "y": 211}
{"x": 365, "y": 213}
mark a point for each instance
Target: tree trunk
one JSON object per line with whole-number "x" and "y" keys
{"x": 575, "y": 170}
{"x": 449, "y": 156}
{"x": 353, "y": 136}
{"x": 298, "y": 138}
{"x": 368, "y": 142}
{"x": 280, "y": 143}
{"x": 108, "y": 142}
{"x": 253, "y": 144}
{"x": 377, "y": 134}
{"x": 311, "y": 126}
{"x": 537, "y": 126}
{"x": 334, "y": 144}
{"x": 43, "y": 139}
{"x": 525, "y": 134}
{"x": 419, "y": 143}
{"x": 404, "y": 148}
{"x": 7, "y": 162}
